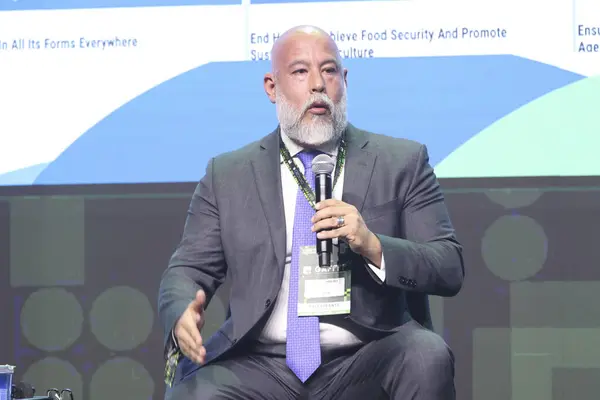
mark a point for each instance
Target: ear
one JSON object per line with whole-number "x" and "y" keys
{"x": 269, "y": 83}
{"x": 345, "y": 73}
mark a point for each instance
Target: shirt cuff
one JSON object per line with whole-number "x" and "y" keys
{"x": 380, "y": 272}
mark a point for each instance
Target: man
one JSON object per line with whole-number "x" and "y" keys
{"x": 251, "y": 217}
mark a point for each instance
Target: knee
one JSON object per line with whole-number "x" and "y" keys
{"x": 428, "y": 357}
{"x": 195, "y": 387}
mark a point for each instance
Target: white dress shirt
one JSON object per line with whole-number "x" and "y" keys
{"x": 275, "y": 329}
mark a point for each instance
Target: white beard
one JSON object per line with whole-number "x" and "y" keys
{"x": 321, "y": 129}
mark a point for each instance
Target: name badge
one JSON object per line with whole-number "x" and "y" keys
{"x": 323, "y": 291}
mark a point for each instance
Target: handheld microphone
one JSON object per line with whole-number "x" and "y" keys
{"x": 322, "y": 167}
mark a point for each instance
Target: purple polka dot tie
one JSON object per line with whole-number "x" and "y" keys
{"x": 303, "y": 344}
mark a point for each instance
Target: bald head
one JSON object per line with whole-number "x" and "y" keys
{"x": 302, "y": 33}
{"x": 308, "y": 85}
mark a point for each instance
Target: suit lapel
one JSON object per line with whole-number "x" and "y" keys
{"x": 267, "y": 172}
{"x": 358, "y": 168}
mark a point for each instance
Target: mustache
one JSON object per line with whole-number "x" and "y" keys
{"x": 317, "y": 98}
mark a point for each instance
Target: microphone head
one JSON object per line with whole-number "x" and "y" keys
{"x": 323, "y": 164}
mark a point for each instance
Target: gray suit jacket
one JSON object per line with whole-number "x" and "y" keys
{"x": 236, "y": 225}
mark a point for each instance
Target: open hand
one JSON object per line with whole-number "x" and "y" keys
{"x": 187, "y": 329}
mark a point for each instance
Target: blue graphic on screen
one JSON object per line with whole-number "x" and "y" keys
{"x": 8, "y": 5}
{"x": 169, "y": 133}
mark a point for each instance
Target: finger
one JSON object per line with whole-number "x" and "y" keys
{"x": 200, "y": 321}
{"x": 329, "y": 203}
{"x": 332, "y": 212}
{"x": 199, "y": 300}
{"x": 191, "y": 346}
{"x": 328, "y": 223}
{"x": 197, "y": 355}
{"x": 334, "y": 233}
{"x": 196, "y": 358}
{"x": 201, "y": 355}
{"x": 186, "y": 344}
{"x": 194, "y": 333}
{"x": 201, "y": 296}
{"x": 194, "y": 317}
{"x": 185, "y": 341}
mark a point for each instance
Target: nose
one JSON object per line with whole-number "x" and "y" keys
{"x": 320, "y": 88}
{"x": 318, "y": 85}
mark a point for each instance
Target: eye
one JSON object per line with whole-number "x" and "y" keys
{"x": 300, "y": 71}
{"x": 331, "y": 70}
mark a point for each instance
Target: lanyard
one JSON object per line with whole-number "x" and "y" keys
{"x": 299, "y": 176}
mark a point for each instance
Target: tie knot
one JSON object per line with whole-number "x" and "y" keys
{"x": 306, "y": 157}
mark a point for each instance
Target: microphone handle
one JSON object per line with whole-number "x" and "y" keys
{"x": 323, "y": 191}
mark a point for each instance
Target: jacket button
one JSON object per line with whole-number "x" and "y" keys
{"x": 267, "y": 303}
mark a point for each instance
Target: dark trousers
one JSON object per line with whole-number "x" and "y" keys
{"x": 412, "y": 364}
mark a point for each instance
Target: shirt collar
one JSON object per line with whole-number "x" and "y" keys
{"x": 331, "y": 149}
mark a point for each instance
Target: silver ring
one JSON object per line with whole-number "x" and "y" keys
{"x": 340, "y": 221}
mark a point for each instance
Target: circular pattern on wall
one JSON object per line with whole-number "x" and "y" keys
{"x": 514, "y": 198}
{"x": 51, "y": 319}
{"x": 52, "y": 372}
{"x": 514, "y": 247}
{"x": 121, "y": 318}
{"x": 121, "y": 378}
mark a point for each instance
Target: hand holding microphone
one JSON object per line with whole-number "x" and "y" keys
{"x": 322, "y": 167}
{"x": 336, "y": 219}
